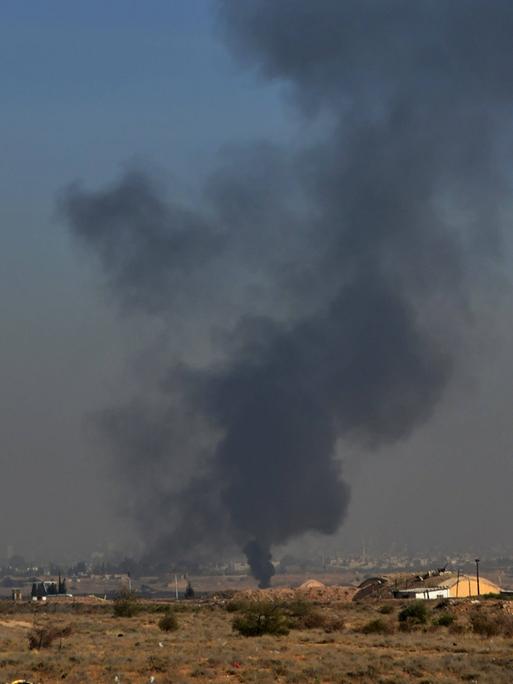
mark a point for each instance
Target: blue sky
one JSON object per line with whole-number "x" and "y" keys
{"x": 88, "y": 87}
{"x": 85, "y": 86}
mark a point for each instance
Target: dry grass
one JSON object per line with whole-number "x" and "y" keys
{"x": 102, "y": 647}
{"x": 44, "y": 637}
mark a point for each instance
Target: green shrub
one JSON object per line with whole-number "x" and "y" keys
{"x": 282, "y": 615}
{"x": 125, "y": 605}
{"x": 444, "y": 620}
{"x": 303, "y": 615}
{"x": 158, "y": 663}
{"x": 311, "y": 620}
{"x": 484, "y": 624}
{"x": 491, "y": 624}
{"x": 262, "y": 618}
{"x": 414, "y": 614}
{"x": 378, "y": 626}
{"x": 386, "y": 609}
{"x": 168, "y": 622}
{"x": 297, "y": 608}
{"x": 236, "y": 605}
{"x": 318, "y": 620}
{"x": 334, "y": 623}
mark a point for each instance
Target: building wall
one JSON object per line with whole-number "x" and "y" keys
{"x": 432, "y": 594}
{"x": 467, "y": 586}
{"x": 427, "y": 593}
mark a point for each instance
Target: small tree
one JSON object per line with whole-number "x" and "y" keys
{"x": 43, "y": 637}
{"x": 189, "y": 591}
{"x": 444, "y": 620}
{"x": 261, "y": 618}
{"x": 386, "y": 609}
{"x": 168, "y": 622}
{"x": 378, "y": 626}
{"x": 125, "y": 605}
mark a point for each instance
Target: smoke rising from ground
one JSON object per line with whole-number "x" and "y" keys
{"x": 326, "y": 282}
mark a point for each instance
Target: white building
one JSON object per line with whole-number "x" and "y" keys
{"x": 423, "y": 593}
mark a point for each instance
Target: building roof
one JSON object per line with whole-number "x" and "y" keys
{"x": 440, "y": 582}
{"x": 419, "y": 590}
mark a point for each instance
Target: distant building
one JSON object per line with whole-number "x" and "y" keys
{"x": 423, "y": 593}
{"x": 462, "y": 586}
{"x": 48, "y": 588}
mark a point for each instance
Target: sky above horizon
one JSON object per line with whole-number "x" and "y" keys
{"x": 93, "y": 88}
{"x": 89, "y": 89}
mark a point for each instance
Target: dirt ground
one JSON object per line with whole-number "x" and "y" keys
{"x": 103, "y": 648}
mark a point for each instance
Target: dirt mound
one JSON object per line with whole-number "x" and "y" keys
{"x": 323, "y": 594}
{"x": 311, "y": 584}
{"x": 317, "y": 592}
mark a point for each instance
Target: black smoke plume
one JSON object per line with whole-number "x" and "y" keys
{"x": 259, "y": 559}
{"x": 311, "y": 297}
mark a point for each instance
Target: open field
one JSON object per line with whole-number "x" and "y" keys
{"x": 104, "y": 648}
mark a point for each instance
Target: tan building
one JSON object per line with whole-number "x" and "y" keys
{"x": 450, "y": 586}
{"x": 465, "y": 586}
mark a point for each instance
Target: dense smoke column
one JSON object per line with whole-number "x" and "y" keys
{"x": 350, "y": 259}
{"x": 259, "y": 559}
{"x": 360, "y": 369}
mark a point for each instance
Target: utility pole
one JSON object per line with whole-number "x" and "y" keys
{"x": 477, "y": 576}
{"x": 176, "y": 587}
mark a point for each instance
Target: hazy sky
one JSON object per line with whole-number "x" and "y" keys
{"x": 89, "y": 89}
